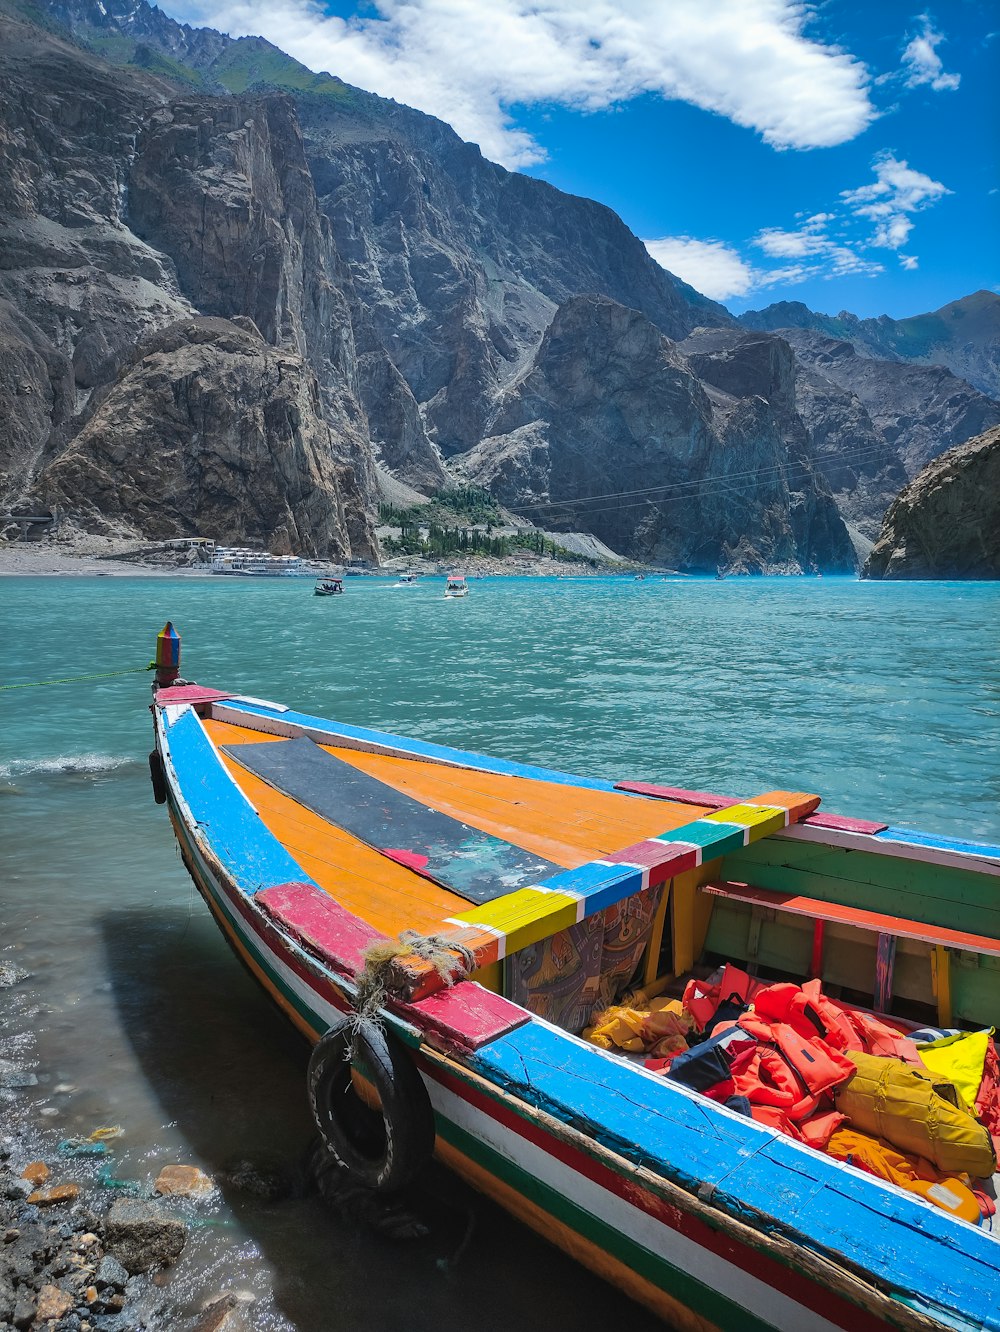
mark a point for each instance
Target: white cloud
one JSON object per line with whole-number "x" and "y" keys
{"x": 896, "y": 192}
{"x": 711, "y": 267}
{"x": 909, "y": 261}
{"x": 830, "y": 257}
{"x": 472, "y": 64}
{"x": 720, "y": 271}
{"x": 922, "y": 64}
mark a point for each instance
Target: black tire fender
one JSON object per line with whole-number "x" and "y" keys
{"x": 158, "y": 777}
{"x": 384, "y": 1148}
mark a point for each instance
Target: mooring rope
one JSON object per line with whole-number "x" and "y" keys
{"x": 72, "y": 679}
{"x": 373, "y": 981}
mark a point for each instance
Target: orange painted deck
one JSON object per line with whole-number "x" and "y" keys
{"x": 567, "y": 825}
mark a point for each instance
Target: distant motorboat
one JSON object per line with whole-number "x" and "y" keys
{"x": 456, "y": 586}
{"x": 329, "y": 587}
{"x": 407, "y": 580}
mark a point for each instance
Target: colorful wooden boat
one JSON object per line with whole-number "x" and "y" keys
{"x": 317, "y": 844}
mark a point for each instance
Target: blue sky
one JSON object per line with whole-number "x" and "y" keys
{"x": 841, "y": 154}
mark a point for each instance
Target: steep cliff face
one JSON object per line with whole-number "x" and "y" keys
{"x": 90, "y": 157}
{"x": 77, "y": 287}
{"x": 964, "y": 335}
{"x": 946, "y": 523}
{"x": 460, "y": 265}
{"x": 920, "y": 411}
{"x": 211, "y": 429}
{"x": 608, "y": 429}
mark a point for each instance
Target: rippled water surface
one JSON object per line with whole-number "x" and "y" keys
{"x": 884, "y": 698}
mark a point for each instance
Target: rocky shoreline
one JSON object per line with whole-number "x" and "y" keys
{"x": 104, "y": 557}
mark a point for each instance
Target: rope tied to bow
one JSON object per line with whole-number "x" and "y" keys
{"x": 373, "y": 983}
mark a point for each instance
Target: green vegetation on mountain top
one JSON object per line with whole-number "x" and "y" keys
{"x": 251, "y": 63}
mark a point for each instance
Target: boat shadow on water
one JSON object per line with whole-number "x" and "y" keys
{"x": 229, "y": 1071}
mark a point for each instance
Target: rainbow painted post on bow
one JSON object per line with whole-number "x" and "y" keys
{"x": 168, "y": 655}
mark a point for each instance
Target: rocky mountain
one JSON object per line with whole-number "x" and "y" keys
{"x": 946, "y": 523}
{"x": 963, "y": 335}
{"x": 424, "y": 315}
{"x": 241, "y": 449}
{"x": 664, "y": 450}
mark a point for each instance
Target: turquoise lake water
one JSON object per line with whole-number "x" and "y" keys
{"x": 884, "y": 698}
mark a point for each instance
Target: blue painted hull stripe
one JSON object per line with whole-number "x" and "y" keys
{"x": 251, "y": 854}
{"x": 756, "y": 1175}
{"x": 936, "y": 843}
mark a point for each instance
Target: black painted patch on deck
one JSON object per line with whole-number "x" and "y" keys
{"x": 473, "y": 864}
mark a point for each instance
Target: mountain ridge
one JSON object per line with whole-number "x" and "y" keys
{"x": 416, "y": 284}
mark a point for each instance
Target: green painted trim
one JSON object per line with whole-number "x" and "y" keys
{"x": 681, "y": 1286}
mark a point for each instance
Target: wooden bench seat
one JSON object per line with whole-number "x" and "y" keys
{"x": 887, "y": 928}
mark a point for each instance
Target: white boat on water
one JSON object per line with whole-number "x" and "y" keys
{"x": 407, "y": 580}
{"x": 246, "y": 563}
{"x": 456, "y": 586}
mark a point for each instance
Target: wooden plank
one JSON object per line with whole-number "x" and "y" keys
{"x": 474, "y": 864}
{"x": 524, "y": 917}
{"x": 816, "y": 957}
{"x": 941, "y": 982}
{"x": 189, "y": 693}
{"x": 872, "y": 921}
{"x": 759, "y": 820}
{"x": 465, "y": 1015}
{"x": 797, "y": 803}
{"x": 660, "y": 860}
{"x": 714, "y": 837}
{"x": 885, "y": 961}
{"x": 842, "y": 824}
{"x": 678, "y": 793}
{"x": 321, "y": 925}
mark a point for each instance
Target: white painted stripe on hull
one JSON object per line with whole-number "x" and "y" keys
{"x": 653, "y": 1235}
{"x": 883, "y": 846}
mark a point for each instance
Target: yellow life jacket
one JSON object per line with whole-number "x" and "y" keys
{"x": 960, "y": 1059}
{"x": 917, "y": 1113}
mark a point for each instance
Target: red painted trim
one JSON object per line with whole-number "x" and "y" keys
{"x": 873, "y": 921}
{"x": 677, "y": 793}
{"x": 799, "y": 1288}
{"x": 662, "y": 859}
{"x": 190, "y": 693}
{"x": 838, "y": 823}
{"x": 320, "y": 924}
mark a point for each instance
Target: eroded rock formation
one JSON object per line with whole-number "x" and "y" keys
{"x": 946, "y": 523}
{"x": 211, "y": 429}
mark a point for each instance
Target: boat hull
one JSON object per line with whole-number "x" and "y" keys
{"x": 656, "y": 1243}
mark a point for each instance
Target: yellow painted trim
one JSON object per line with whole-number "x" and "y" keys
{"x": 759, "y": 820}
{"x": 585, "y": 1251}
{"x": 692, "y": 913}
{"x": 524, "y": 916}
{"x": 941, "y": 982}
{"x": 656, "y": 938}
